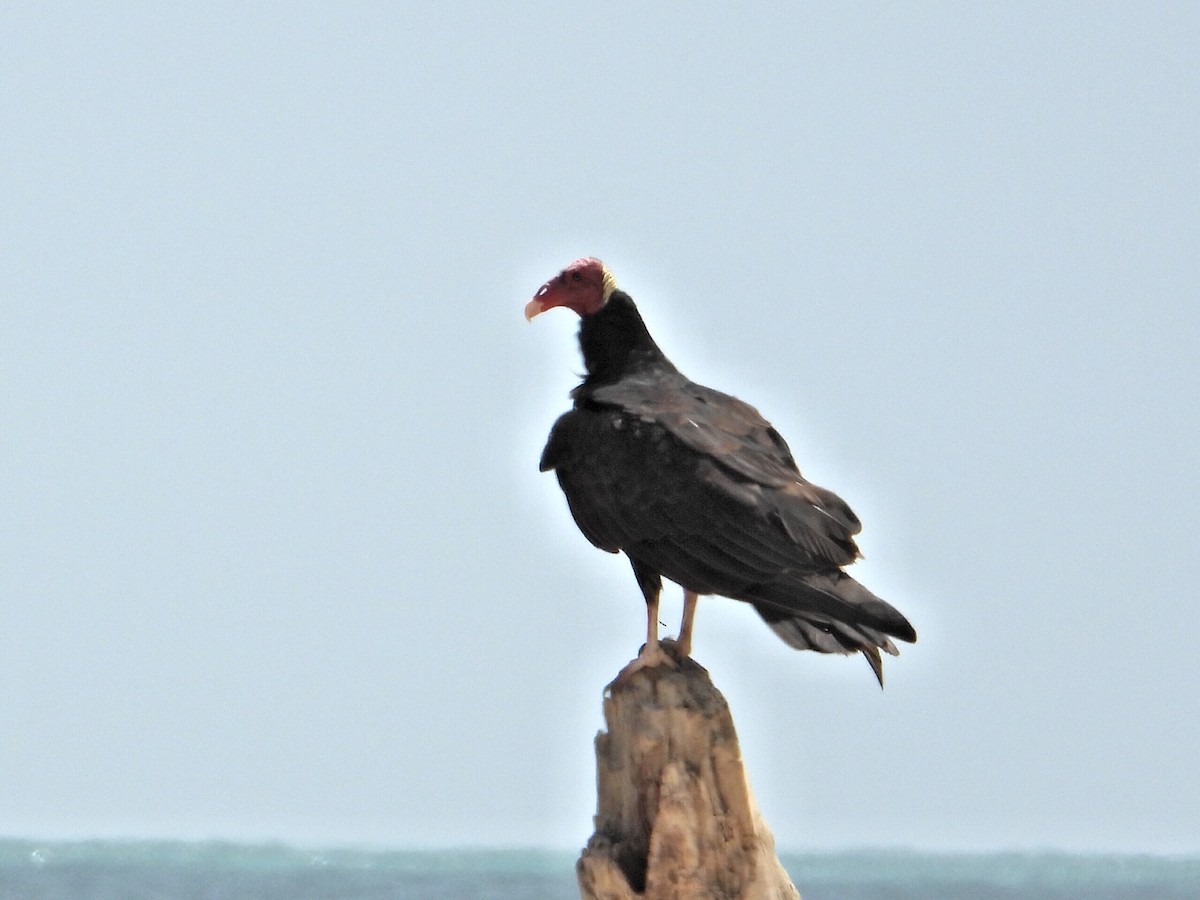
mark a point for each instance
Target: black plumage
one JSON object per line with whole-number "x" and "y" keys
{"x": 695, "y": 486}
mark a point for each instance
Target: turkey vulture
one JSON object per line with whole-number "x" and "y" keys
{"x": 696, "y": 486}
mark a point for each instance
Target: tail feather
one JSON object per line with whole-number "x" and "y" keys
{"x": 876, "y": 662}
{"x": 832, "y": 613}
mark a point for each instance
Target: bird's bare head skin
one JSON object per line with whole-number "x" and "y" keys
{"x": 584, "y": 286}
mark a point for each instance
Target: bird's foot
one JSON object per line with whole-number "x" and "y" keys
{"x": 651, "y": 656}
{"x": 681, "y": 646}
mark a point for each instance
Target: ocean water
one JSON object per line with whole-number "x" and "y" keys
{"x": 105, "y": 870}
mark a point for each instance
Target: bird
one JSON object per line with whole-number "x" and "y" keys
{"x": 693, "y": 485}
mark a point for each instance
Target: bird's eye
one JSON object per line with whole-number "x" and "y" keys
{"x": 575, "y": 276}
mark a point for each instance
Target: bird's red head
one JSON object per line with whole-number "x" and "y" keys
{"x": 584, "y": 286}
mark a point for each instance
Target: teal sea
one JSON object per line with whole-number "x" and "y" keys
{"x": 106, "y": 870}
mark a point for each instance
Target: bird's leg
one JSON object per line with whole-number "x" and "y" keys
{"x": 689, "y": 616}
{"x": 651, "y": 628}
{"x": 652, "y": 653}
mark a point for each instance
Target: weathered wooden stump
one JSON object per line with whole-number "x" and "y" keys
{"x": 675, "y": 818}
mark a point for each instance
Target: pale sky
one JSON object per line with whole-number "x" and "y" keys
{"x": 276, "y": 561}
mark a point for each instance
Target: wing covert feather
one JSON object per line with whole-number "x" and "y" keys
{"x": 697, "y": 484}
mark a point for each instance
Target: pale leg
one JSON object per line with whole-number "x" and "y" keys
{"x": 689, "y": 616}
{"x": 651, "y": 627}
{"x": 652, "y": 654}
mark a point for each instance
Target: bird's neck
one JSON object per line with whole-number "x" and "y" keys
{"x": 615, "y": 344}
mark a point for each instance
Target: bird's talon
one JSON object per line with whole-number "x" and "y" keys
{"x": 648, "y": 659}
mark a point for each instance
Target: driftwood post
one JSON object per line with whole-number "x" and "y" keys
{"x": 675, "y": 819}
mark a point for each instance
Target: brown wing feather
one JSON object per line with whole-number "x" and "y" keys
{"x": 640, "y": 482}
{"x": 742, "y": 455}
